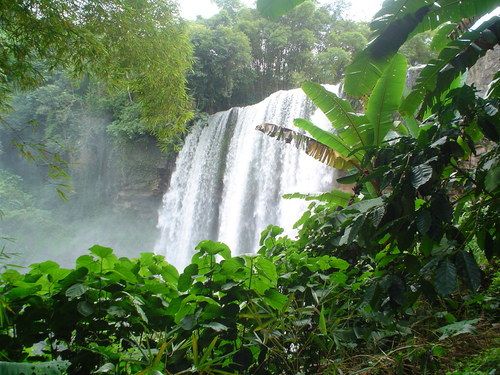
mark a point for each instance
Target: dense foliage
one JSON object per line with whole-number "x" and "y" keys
{"x": 399, "y": 276}
{"x": 241, "y": 57}
{"x": 136, "y": 47}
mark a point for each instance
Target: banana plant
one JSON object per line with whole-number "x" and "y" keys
{"x": 394, "y": 24}
{"x": 353, "y": 134}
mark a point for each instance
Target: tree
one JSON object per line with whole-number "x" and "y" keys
{"x": 137, "y": 47}
{"x": 222, "y": 64}
{"x": 283, "y": 52}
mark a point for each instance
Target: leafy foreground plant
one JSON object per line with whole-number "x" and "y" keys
{"x": 288, "y": 309}
{"x": 398, "y": 277}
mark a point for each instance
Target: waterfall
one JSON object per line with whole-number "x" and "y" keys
{"x": 229, "y": 179}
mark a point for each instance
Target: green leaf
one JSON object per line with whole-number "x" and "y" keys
{"x": 441, "y": 37}
{"x": 170, "y": 274}
{"x": 85, "y": 308}
{"x": 217, "y": 327}
{"x": 454, "y": 59}
{"x": 458, "y": 328}
{"x": 397, "y": 32}
{"x": 423, "y": 220}
{"x": 350, "y": 179}
{"x": 276, "y": 8}
{"x": 469, "y": 270}
{"x": 76, "y": 291}
{"x": 100, "y": 251}
{"x": 322, "y": 321}
{"x": 351, "y": 127}
{"x": 386, "y": 98}
{"x": 106, "y": 368}
{"x": 338, "y": 263}
{"x": 22, "y": 292}
{"x": 266, "y": 268}
{"x": 45, "y": 368}
{"x": 363, "y": 73}
{"x": 336, "y": 197}
{"x": 231, "y": 266}
{"x": 441, "y": 11}
{"x": 214, "y": 248}
{"x": 492, "y": 179}
{"x": 445, "y": 281}
{"x": 275, "y": 299}
{"x": 420, "y": 175}
{"x": 186, "y": 278}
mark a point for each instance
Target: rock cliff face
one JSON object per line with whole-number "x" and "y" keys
{"x": 484, "y": 70}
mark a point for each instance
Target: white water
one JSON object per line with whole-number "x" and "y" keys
{"x": 229, "y": 179}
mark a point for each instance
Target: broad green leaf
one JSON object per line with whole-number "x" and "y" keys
{"x": 85, "y": 308}
{"x": 445, "y": 280}
{"x": 441, "y": 38}
{"x": 231, "y": 266}
{"x": 492, "y": 179}
{"x": 266, "y": 268}
{"x": 214, "y": 248}
{"x": 106, "y": 368}
{"x": 386, "y": 98}
{"x": 350, "y": 179}
{"x": 454, "y": 59}
{"x": 423, "y": 220}
{"x": 275, "y": 299}
{"x": 76, "y": 291}
{"x": 363, "y": 73}
{"x": 186, "y": 278}
{"x": 441, "y": 11}
{"x": 393, "y": 10}
{"x": 365, "y": 205}
{"x": 336, "y": 197}
{"x": 397, "y": 32}
{"x": 44, "y": 368}
{"x": 88, "y": 262}
{"x": 349, "y": 126}
{"x": 22, "y": 292}
{"x": 101, "y": 251}
{"x": 276, "y": 8}
{"x": 45, "y": 267}
{"x": 74, "y": 277}
{"x": 217, "y": 327}
{"x": 338, "y": 263}
{"x": 420, "y": 175}
{"x": 170, "y": 274}
{"x": 469, "y": 270}
{"x": 413, "y": 126}
{"x": 458, "y": 328}
{"x": 454, "y": 11}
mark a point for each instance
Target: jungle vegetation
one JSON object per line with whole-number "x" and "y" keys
{"x": 399, "y": 276}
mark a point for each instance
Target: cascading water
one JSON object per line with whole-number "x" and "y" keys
{"x": 229, "y": 179}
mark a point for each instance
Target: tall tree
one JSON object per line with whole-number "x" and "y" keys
{"x": 139, "y": 47}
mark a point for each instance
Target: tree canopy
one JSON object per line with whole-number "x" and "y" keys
{"x": 138, "y": 47}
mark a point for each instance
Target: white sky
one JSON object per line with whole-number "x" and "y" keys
{"x": 360, "y": 9}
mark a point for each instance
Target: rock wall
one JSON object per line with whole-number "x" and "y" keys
{"x": 483, "y": 72}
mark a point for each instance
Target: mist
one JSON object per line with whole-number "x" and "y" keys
{"x": 115, "y": 183}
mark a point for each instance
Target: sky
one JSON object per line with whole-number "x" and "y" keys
{"x": 360, "y": 9}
